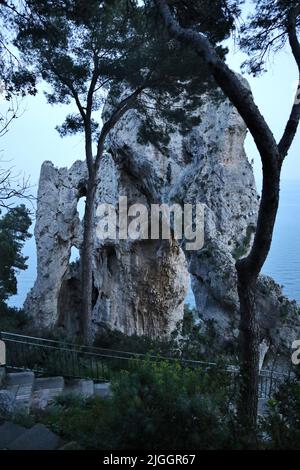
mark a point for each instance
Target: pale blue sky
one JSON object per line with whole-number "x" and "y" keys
{"x": 32, "y": 138}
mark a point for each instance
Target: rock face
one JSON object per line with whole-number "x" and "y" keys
{"x": 57, "y": 229}
{"x": 209, "y": 165}
{"x": 140, "y": 286}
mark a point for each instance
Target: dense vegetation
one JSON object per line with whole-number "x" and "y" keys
{"x": 189, "y": 340}
{"x": 158, "y": 405}
{"x": 164, "y": 406}
{"x": 282, "y": 424}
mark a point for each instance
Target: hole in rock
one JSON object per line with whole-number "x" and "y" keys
{"x": 75, "y": 254}
{"x": 81, "y": 206}
{"x": 69, "y": 297}
{"x": 190, "y": 304}
{"x": 190, "y": 298}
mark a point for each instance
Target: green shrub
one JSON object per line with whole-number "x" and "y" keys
{"x": 164, "y": 406}
{"x": 187, "y": 341}
{"x": 113, "y": 339}
{"x": 282, "y": 423}
{"x": 77, "y": 420}
{"x": 156, "y": 406}
{"x": 242, "y": 249}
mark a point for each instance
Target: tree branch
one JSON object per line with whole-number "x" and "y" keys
{"x": 126, "y": 104}
{"x": 88, "y": 123}
{"x": 240, "y": 96}
{"x": 242, "y": 99}
{"x": 12, "y": 187}
{"x": 293, "y": 122}
{"x": 69, "y": 85}
{"x": 7, "y": 121}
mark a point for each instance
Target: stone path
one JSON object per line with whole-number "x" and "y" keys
{"x": 39, "y": 437}
{"x": 30, "y": 392}
{"x": 22, "y": 392}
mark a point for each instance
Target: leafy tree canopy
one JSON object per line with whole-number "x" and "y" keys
{"x": 214, "y": 19}
{"x": 267, "y": 31}
{"x": 15, "y": 79}
{"x": 65, "y": 42}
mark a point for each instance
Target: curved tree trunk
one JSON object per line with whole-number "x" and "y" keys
{"x": 272, "y": 156}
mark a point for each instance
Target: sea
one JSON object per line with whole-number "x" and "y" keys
{"x": 283, "y": 262}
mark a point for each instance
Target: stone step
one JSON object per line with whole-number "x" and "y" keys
{"x": 21, "y": 385}
{"x": 80, "y": 387}
{"x": 9, "y": 432}
{"x": 46, "y": 390}
{"x": 103, "y": 390}
{"x": 19, "y": 378}
{"x": 37, "y": 438}
{"x": 49, "y": 383}
{"x": 37, "y": 393}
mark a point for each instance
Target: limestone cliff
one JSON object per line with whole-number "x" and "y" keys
{"x": 140, "y": 287}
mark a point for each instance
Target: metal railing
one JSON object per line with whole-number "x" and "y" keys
{"x": 71, "y": 360}
{"x": 50, "y": 357}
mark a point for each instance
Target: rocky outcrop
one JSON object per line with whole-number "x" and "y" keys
{"x": 57, "y": 229}
{"x": 140, "y": 286}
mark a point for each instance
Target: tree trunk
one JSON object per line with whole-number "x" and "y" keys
{"x": 249, "y": 356}
{"x": 87, "y": 263}
{"x": 86, "y": 330}
{"x": 248, "y": 270}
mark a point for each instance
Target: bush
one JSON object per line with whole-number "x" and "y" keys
{"x": 282, "y": 423}
{"x": 164, "y": 406}
{"x": 12, "y": 319}
{"x": 158, "y": 406}
{"x": 75, "y": 419}
{"x": 188, "y": 341}
{"x": 113, "y": 339}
